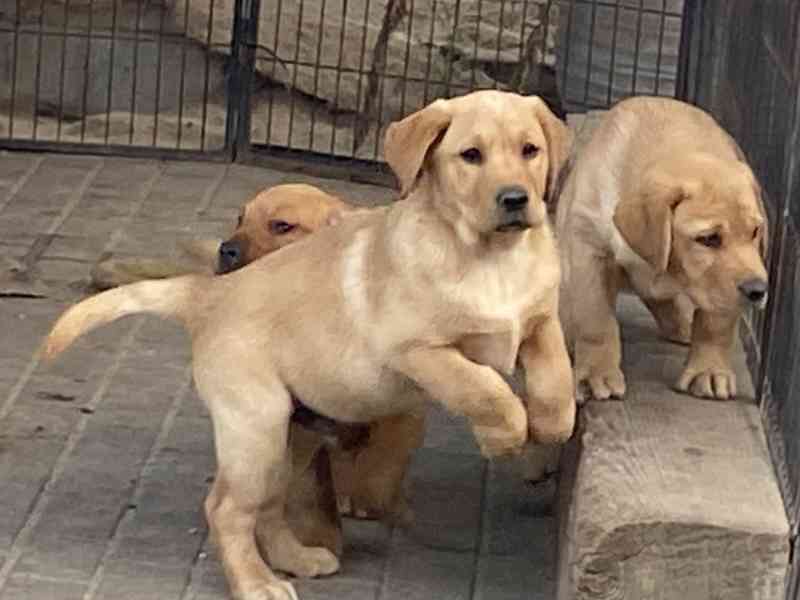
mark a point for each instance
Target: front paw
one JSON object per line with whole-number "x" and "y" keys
{"x": 554, "y": 426}
{"x": 508, "y": 437}
{"x": 717, "y": 381}
{"x": 601, "y": 382}
{"x": 275, "y": 590}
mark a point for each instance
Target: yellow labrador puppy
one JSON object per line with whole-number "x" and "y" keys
{"x": 662, "y": 201}
{"x": 433, "y": 294}
{"x": 360, "y": 470}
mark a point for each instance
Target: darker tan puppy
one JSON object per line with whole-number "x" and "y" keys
{"x": 662, "y": 201}
{"x": 425, "y": 299}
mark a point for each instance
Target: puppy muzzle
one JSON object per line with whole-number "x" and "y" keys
{"x": 229, "y": 257}
{"x": 512, "y": 206}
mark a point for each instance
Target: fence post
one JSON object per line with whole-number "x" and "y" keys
{"x": 689, "y": 50}
{"x": 244, "y": 41}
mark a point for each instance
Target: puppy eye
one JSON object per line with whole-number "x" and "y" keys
{"x": 280, "y": 227}
{"x": 529, "y": 151}
{"x": 239, "y": 220}
{"x": 472, "y": 155}
{"x": 712, "y": 240}
{"x": 756, "y": 231}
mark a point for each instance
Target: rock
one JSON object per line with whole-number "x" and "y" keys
{"x": 94, "y": 68}
{"x": 442, "y": 42}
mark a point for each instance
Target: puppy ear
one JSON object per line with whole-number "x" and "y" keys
{"x": 407, "y": 142}
{"x": 559, "y": 143}
{"x": 644, "y": 218}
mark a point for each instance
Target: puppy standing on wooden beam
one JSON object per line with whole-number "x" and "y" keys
{"x": 661, "y": 200}
{"x": 431, "y": 294}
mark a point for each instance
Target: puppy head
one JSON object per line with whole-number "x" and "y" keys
{"x": 701, "y": 219}
{"x": 275, "y": 218}
{"x": 488, "y": 160}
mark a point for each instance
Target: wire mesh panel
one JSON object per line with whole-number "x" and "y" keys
{"x": 747, "y": 73}
{"x": 330, "y": 74}
{"x": 611, "y": 49}
{"x": 113, "y": 74}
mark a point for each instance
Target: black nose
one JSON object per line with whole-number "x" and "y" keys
{"x": 754, "y": 290}
{"x": 230, "y": 256}
{"x": 512, "y": 198}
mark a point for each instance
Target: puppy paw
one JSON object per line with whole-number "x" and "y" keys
{"x": 600, "y": 383}
{"x": 275, "y": 590}
{"x": 715, "y": 382}
{"x": 507, "y": 438}
{"x": 555, "y": 427}
{"x": 306, "y": 562}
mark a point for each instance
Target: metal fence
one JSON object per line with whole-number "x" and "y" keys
{"x": 314, "y": 80}
{"x": 745, "y": 69}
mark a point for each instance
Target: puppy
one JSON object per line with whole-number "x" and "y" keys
{"x": 661, "y": 201}
{"x": 424, "y": 298}
{"x": 368, "y": 464}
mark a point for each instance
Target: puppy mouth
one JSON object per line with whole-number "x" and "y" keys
{"x": 518, "y": 224}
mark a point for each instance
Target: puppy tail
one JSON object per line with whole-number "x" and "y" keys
{"x": 165, "y": 298}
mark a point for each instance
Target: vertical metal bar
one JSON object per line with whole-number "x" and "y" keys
{"x": 613, "y": 62}
{"x": 567, "y": 47}
{"x": 64, "y": 36}
{"x": 275, "y": 59}
{"x": 245, "y": 43}
{"x": 316, "y": 75}
{"x": 159, "y": 51}
{"x": 361, "y": 75}
{"x": 500, "y": 26}
{"x": 638, "y": 47}
{"x": 110, "y": 88}
{"x": 429, "y": 60}
{"x": 182, "y": 76}
{"x": 38, "y": 69}
{"x": 476, "y": 46}
{"x": 233, "y": 83}
{"x": 409, "y": 33}
{"x": 589, "y": 55}
{"x": 697, "y": 71}
{"x": 135, "y": 71}
{"x": 684, "y": 50}
{"x": 335, "y": 104}
{"x": 86, "y": 67}
{"x": 206, "y": 75}
{"x": 660, "y": 46}
{"x": 293, "y": 91}
{"x": 522, "y": 56}
{"x": 379, "y": 113}
{"x": 449, "y": 77}
{"x": 14, "y": 70}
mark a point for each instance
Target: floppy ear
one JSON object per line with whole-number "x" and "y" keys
{"x": 644, "y": 218}
{"x": 559, "y": 144}
{"x": 407, "y": 142}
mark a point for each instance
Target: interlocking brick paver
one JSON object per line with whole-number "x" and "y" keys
{"x": 106, "y": 454}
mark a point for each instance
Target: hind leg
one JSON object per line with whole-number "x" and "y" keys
{"x": 311, "y": 505}
{"x": 251, "y": 424}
